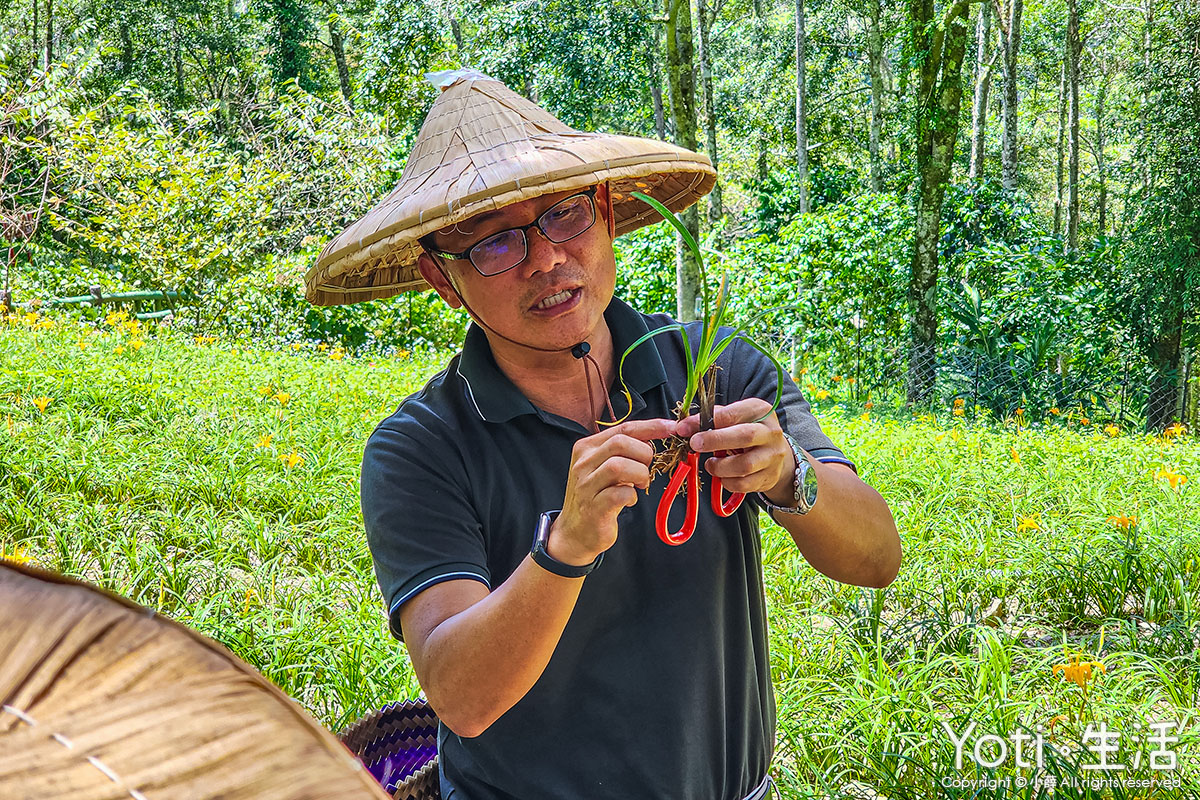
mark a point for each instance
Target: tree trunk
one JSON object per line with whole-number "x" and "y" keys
{"x": 49, "y": 32}
{"x": 1009, "y": 18}
{"x": 875, "y": 58}
{"x": 1073, "y": 56}
{"x": 801, "y": 111}
{"x": 940, "y": 52}
{"x": 1101, "y": 166}
{"x": 710, "y": 113}
{"x": 339, "y": 56}
{"x": 681, "y": 81}
{"x": 35, "y": 33}
{"x": 1058, "y": 152}
{"x": 1162, "y": 404}
{"x": 983, "y": 83}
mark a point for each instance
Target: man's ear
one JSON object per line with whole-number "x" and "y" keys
{"x": 434, "y": 276}
{"x": 605, "y": 208}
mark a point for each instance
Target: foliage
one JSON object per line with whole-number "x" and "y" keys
{"x": 164, "y": 473}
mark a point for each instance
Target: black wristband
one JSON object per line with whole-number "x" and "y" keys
{"x": 547, "y": 561}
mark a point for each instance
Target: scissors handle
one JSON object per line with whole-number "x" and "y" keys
{"x": 688, "y": 470}
{"x": 731, "y": 505}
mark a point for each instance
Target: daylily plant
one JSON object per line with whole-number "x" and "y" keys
{"x": 700, "y": 390}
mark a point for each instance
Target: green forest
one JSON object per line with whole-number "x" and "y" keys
{"x": 994, "y": 194}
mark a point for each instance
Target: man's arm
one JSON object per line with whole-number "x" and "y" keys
{"x": 849, "y": 534}
{"x": 476, "y": 654}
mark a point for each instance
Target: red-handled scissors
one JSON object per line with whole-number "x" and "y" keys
{"x": 689, "y": 470}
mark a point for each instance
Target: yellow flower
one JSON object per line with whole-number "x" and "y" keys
{"x": 1054, "y": 410}
{"x": 292, "y": 459}
{"x": 404, "y": 354}
{"x": 1028, "y": 524}
{"x": 1015, "y": 455}
{"x": 83, "y": 343}
{"x": 958, "y": 412}
{"x": 1123, "y": 522}
{"x": 822, "y": 394}
{"x": 203, "y": 340}
{"x": 866, "y": 416}
{"x": 337, "y": 354}
{"x": 322, "y": 347}
{"x": 811, "y": 387}
{"x": 45, "y": 323}
{"x": 119, "y": 349}
{"x": 1020, "y": 412}
{"x": 266, "y": 389}
{"x": 282, "y": 398}
{"x": 263, "y": 441}
{"x": 17, "y": 556}
{"x": 130, "y": 326}
{"x": 959, "y": 402}
{"x": 297, "y": 345}
{"x": 868, "y": 405}
{"x": 136, "y": 344}
{"x": 804, "y": 370}
{"x": 1174, "y": 431}
{"x": 1172, "y": 477}
{"x": 1077, "y": 670}
{"x": 31, "y": 318}
{"x": 42, "y": 402}
{"x": 251, "y": 598}
{"x": 1112, "y": 430}
{"x": 115, "y": 318}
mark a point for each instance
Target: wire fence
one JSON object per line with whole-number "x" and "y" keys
{"x": 1094, "y": 388}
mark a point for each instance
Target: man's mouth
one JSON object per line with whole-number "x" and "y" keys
{"x": 560, "y": 298}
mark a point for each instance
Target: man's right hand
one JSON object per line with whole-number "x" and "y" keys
{"x": 607, "y": 469}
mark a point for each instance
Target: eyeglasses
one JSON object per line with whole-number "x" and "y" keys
{"x": 502, "y": 251}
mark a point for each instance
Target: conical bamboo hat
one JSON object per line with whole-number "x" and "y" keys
{"x": 484, "y": 147}
{"x": 102, "y": 700}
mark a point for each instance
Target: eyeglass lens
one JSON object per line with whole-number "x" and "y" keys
{"x": 561, "y": 222}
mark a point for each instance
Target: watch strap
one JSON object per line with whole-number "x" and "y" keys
{"x": 549, "y": 562}
{"x": 800, "y": 504}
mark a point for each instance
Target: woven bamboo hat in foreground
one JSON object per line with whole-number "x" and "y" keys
{"x": 102, "y": 700}
{"x": 483, "y": 147}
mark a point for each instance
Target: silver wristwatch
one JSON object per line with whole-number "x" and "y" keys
{"x": 804, "y": 486}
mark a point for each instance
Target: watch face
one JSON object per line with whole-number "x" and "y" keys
{"x": 808, "y": 490}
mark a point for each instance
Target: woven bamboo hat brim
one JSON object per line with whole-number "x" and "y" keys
{"x": 484, "y": 147}
{"x": 102, "y": 700}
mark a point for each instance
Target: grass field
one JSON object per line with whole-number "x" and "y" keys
{"x": 219, "y": 485}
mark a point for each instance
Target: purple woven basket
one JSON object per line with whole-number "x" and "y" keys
{"x": 398, "y": 744}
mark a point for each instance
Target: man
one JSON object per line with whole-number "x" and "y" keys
{"x": 574, "y": 654}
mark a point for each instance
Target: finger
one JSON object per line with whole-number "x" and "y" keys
{"x": 751, "y": 409}
{"x": 627, "y": 446}
{"x": 741, "y": 436}
{"x": 617, "y": 470}
{"x": 617, "y": 497}
{"x": 754, "y": 482}
{"x": 739, "y": 465}
{"x": 644, "y": 429}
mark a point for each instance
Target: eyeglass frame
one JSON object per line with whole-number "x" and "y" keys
{"x": 465, "y": 255}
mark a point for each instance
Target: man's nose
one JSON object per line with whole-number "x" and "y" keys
{"x": 541, "y": 254}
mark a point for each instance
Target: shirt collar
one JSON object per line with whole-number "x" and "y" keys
{"x": 497, "y": 399}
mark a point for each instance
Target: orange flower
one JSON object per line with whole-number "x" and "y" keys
{"x": 1172, "y": 477}
{"x": 1015, "y": 455}
{"x": 1078, "y": 670}
{"x": 959, "y": 402}
{"x": 1174, "y": 431}
{"x": 837, "y": 378}
{"x": 1055, "y": 411}
{"x": 868, "y": 405}
{"x": 1123, "y": 522}
{"x": 41, "y": 403}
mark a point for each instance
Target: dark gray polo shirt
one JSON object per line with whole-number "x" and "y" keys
{"x": 660, "y": 686}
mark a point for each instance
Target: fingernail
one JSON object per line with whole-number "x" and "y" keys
{"x": 697, "y": 443}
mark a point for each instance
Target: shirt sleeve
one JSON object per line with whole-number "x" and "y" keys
{"x": 420, "y": 523}
{"x": 751, "y": 374}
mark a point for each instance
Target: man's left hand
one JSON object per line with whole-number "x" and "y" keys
{"x": 759, "y": 459}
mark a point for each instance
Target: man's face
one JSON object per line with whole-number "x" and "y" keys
{"x": 583, "y": 266}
